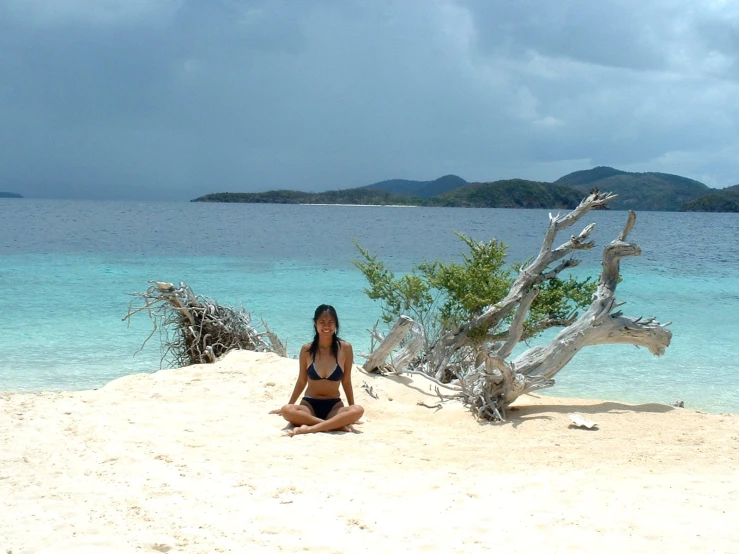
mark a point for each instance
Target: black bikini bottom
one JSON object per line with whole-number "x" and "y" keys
{"x": 322, "y": 406}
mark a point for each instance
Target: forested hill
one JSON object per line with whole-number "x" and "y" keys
{"x": 510, "y": 193}
{"x": 10, "y": 195}
{"x": 422, "y": 189}
{"x": 638, "y": 191}
{"x": 723, "y": 200}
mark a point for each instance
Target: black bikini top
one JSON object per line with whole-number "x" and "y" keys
{"x": 336, "y": 375}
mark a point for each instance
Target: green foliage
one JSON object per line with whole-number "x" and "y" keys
{"x": 468, "y": 288}
{"x": 558, "y": 300}
{"x": 443, "y": 295}
{"x": 408, "y": 294}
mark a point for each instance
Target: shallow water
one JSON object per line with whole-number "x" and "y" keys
{"x": 67, "y": 268}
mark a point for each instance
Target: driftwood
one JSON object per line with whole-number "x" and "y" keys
{"x": 376, "y": 360}
{"x": 196, "y": 330}
{"x": 483, "y": 378}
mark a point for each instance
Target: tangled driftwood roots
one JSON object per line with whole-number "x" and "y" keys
{"x": 482, "y": 377}
{"x": 195, "y": 329}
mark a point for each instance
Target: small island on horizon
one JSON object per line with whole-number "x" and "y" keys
{"x": 10, "y": 195}
{"x": 649, "y": 191}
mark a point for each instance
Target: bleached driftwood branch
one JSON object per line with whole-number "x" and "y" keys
{"x": 487, "y": 382}
{"x": 410, "y": 349}
{"x": 396, "y": 335}
{"x": 528, "y": 276}
{"x": 598, "y": 325}
{"x": 195, "y": 329}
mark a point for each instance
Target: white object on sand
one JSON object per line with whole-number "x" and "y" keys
{"x": 579, "y": 421}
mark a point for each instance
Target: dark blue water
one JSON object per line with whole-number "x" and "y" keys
{"x": 66, "y": 268}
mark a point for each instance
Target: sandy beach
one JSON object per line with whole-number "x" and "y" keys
{"x": 190, "y": 461}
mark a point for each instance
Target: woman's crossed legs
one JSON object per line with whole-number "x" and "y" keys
{"x": 303, "y": 417}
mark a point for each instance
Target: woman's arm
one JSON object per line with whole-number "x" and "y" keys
{"x": 302, "y": 375}
{"x": 346, "y": 381}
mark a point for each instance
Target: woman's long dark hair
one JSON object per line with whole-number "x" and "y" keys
{"x": 335, "y": 343}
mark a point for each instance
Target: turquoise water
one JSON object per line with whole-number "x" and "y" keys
{"x": 67, "y": 268}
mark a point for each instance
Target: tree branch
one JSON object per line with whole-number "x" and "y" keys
{"x": 515, "y": 331}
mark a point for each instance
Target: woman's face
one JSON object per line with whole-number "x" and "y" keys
{"x": 325, "y": 324}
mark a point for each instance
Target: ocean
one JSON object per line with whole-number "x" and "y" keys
{"x": 68, "y": 268}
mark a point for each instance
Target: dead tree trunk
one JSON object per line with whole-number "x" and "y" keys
{"x": 196, "y": 330}
{"x": 488, "y": 383}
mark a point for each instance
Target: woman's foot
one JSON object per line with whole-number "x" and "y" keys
{"x": 302, "y": 430}
{"x": 305, "y": 429}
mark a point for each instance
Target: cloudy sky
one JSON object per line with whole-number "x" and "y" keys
{"x": 172, "y": 99}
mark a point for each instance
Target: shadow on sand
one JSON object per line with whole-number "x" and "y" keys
{"x": 521, "y": 414}
{"x": 602, "y": 407}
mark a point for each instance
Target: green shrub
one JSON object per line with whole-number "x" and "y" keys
{"x": 442, "y": 296}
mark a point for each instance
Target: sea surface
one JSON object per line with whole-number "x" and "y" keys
{"x": 68, "y": 268}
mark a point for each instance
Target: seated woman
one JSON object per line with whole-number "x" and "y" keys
{"x": 324, "y": 363}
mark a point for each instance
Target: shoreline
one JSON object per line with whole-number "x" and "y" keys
{"x": 540, "y": 394}
{"x": 552, "y": 393}
{"x": 189, "y": 460}
{"x": 362, "y": 205}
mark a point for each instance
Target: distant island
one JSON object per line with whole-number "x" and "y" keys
{"x": 10, "y": 195}
{"x": 648, "y": 191}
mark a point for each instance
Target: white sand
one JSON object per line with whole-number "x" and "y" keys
{"x": 189, "y": 460}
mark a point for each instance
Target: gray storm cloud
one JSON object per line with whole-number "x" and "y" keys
{"x": 140, "y": 99}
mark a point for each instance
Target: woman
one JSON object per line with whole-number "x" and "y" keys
{"x": 324, "y": 363}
